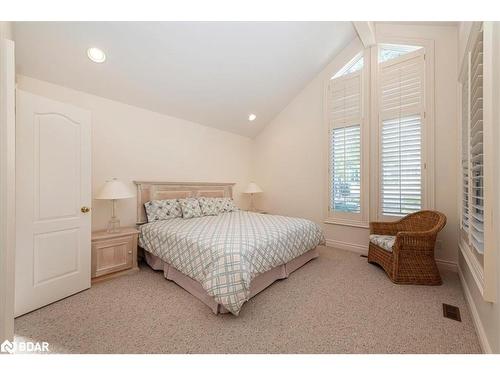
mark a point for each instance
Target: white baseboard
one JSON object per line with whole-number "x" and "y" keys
{"x": 341, "y": 245}
{"x": 447, "y": 265}
{"x": 443, "y": 265}
{"x": 483, "y": 340}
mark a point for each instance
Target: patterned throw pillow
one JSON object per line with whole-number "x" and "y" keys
{"x": 190, "y": 208}
{"x": 226, "y": 205}
{"x": 163, "y": 209}
{"x": 209, "y": 206}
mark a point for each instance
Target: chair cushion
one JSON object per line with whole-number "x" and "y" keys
{"x": 385, "y": 242}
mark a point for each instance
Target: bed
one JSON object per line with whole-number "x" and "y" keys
{"x": 226, "y": 259}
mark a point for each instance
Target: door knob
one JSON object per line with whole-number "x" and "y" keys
{"x": 85, "y": 209}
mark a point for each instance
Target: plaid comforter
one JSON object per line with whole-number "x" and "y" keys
{"x": 225, "y": 252}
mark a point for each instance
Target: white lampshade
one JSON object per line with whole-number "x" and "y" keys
{"x": 253, "y": 188}
{"x": 114, "y": 189}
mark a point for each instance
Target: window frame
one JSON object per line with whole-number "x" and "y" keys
{"x": 360, "y": 219}
{"x": 386, "y": 45}
{"x": 343, "y": 72}
{"x": 483, "y": 273}
{"x": 427, "y": 152}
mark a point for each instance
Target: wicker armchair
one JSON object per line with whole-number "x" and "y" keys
{"x": 411, "y": 260}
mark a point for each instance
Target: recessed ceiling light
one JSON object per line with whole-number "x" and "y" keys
{"x": 96, "y": 55}
{"x": 251, "y": 117}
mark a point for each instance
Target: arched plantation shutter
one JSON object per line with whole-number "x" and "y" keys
{"x": 345, "y": 118}
{"x": 402, "y": 112}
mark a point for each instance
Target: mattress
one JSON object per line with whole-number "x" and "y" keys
{"x": 224, "y": 253}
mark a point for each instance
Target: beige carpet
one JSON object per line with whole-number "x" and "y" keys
{"x": 337, "y": 303}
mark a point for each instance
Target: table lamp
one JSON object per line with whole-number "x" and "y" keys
{"x": 112, "y": 190}
{"x": 252, "y": 189}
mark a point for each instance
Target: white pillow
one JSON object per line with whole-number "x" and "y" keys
{"x": 190, "y": 208}
{"x": 226, "y": 205}
{"x": 162, "y": 209}
{"x": 209, "y": 206}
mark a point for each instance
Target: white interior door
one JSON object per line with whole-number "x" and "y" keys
{"x": 53, "y": 186}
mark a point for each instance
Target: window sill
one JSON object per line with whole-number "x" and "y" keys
{"x": 347, "y": 223}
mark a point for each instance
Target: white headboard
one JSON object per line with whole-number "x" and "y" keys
{"x": 151, "y": 190}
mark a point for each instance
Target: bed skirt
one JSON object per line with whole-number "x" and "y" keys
{"x": 259, "y": 283}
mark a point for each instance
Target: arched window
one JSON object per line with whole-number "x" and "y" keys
{"x": 391, "y": 51}
{"x": 393, "y": 105}
{"x": 352, "y": 66}
{"x": 401, "y": 112}
{"x": 345, "y": 129}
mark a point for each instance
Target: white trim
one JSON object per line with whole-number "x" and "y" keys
{"x": 353, "y": 247}
{"x": 7, "y": 188}
{"x": 481, "y": 334}
{"x": 475, "y": 267}
{"x": 349, "y": 65}
{"x": 447, "y": 265}
{"x": 474, "y": 30}
{"x": 374, "y": 143}
{"x": 347, "y": 222}
{"x": 366, "y": 32}
{"x": 485, "y": 273}
{"x": 491, "y": 117}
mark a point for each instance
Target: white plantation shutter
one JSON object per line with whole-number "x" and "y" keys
{"x": 401, "y": 106}
{"x": 345, "y": 100}
{"x": 479, "y": 154}
{"x": 345, "y": 117}
{"x": 346, "y": 166}
{"x": 465, "y": 153}
{"x": 476, "y": 146}
{"x": 401, "y": 166}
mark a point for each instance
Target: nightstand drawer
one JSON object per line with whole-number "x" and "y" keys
{"x": 112, "y": 255}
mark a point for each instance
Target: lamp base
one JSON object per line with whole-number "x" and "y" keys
{"x": 113, "y": 225}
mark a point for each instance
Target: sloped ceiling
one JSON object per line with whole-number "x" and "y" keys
{"x": 212, "y": 73}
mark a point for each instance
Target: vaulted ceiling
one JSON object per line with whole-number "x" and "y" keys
{"x": 212, "y": 73}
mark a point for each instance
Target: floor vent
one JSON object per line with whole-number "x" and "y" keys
{"x": 451, "y": 312}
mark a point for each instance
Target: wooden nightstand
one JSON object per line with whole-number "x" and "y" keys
{"x": 114, "y": 254}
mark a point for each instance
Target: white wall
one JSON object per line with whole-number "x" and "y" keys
{"x": 131, "y": 143}
{"x": 290, "y": 154}
{"x": 6, "y": 30}
{"x": 290, "y": 157}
